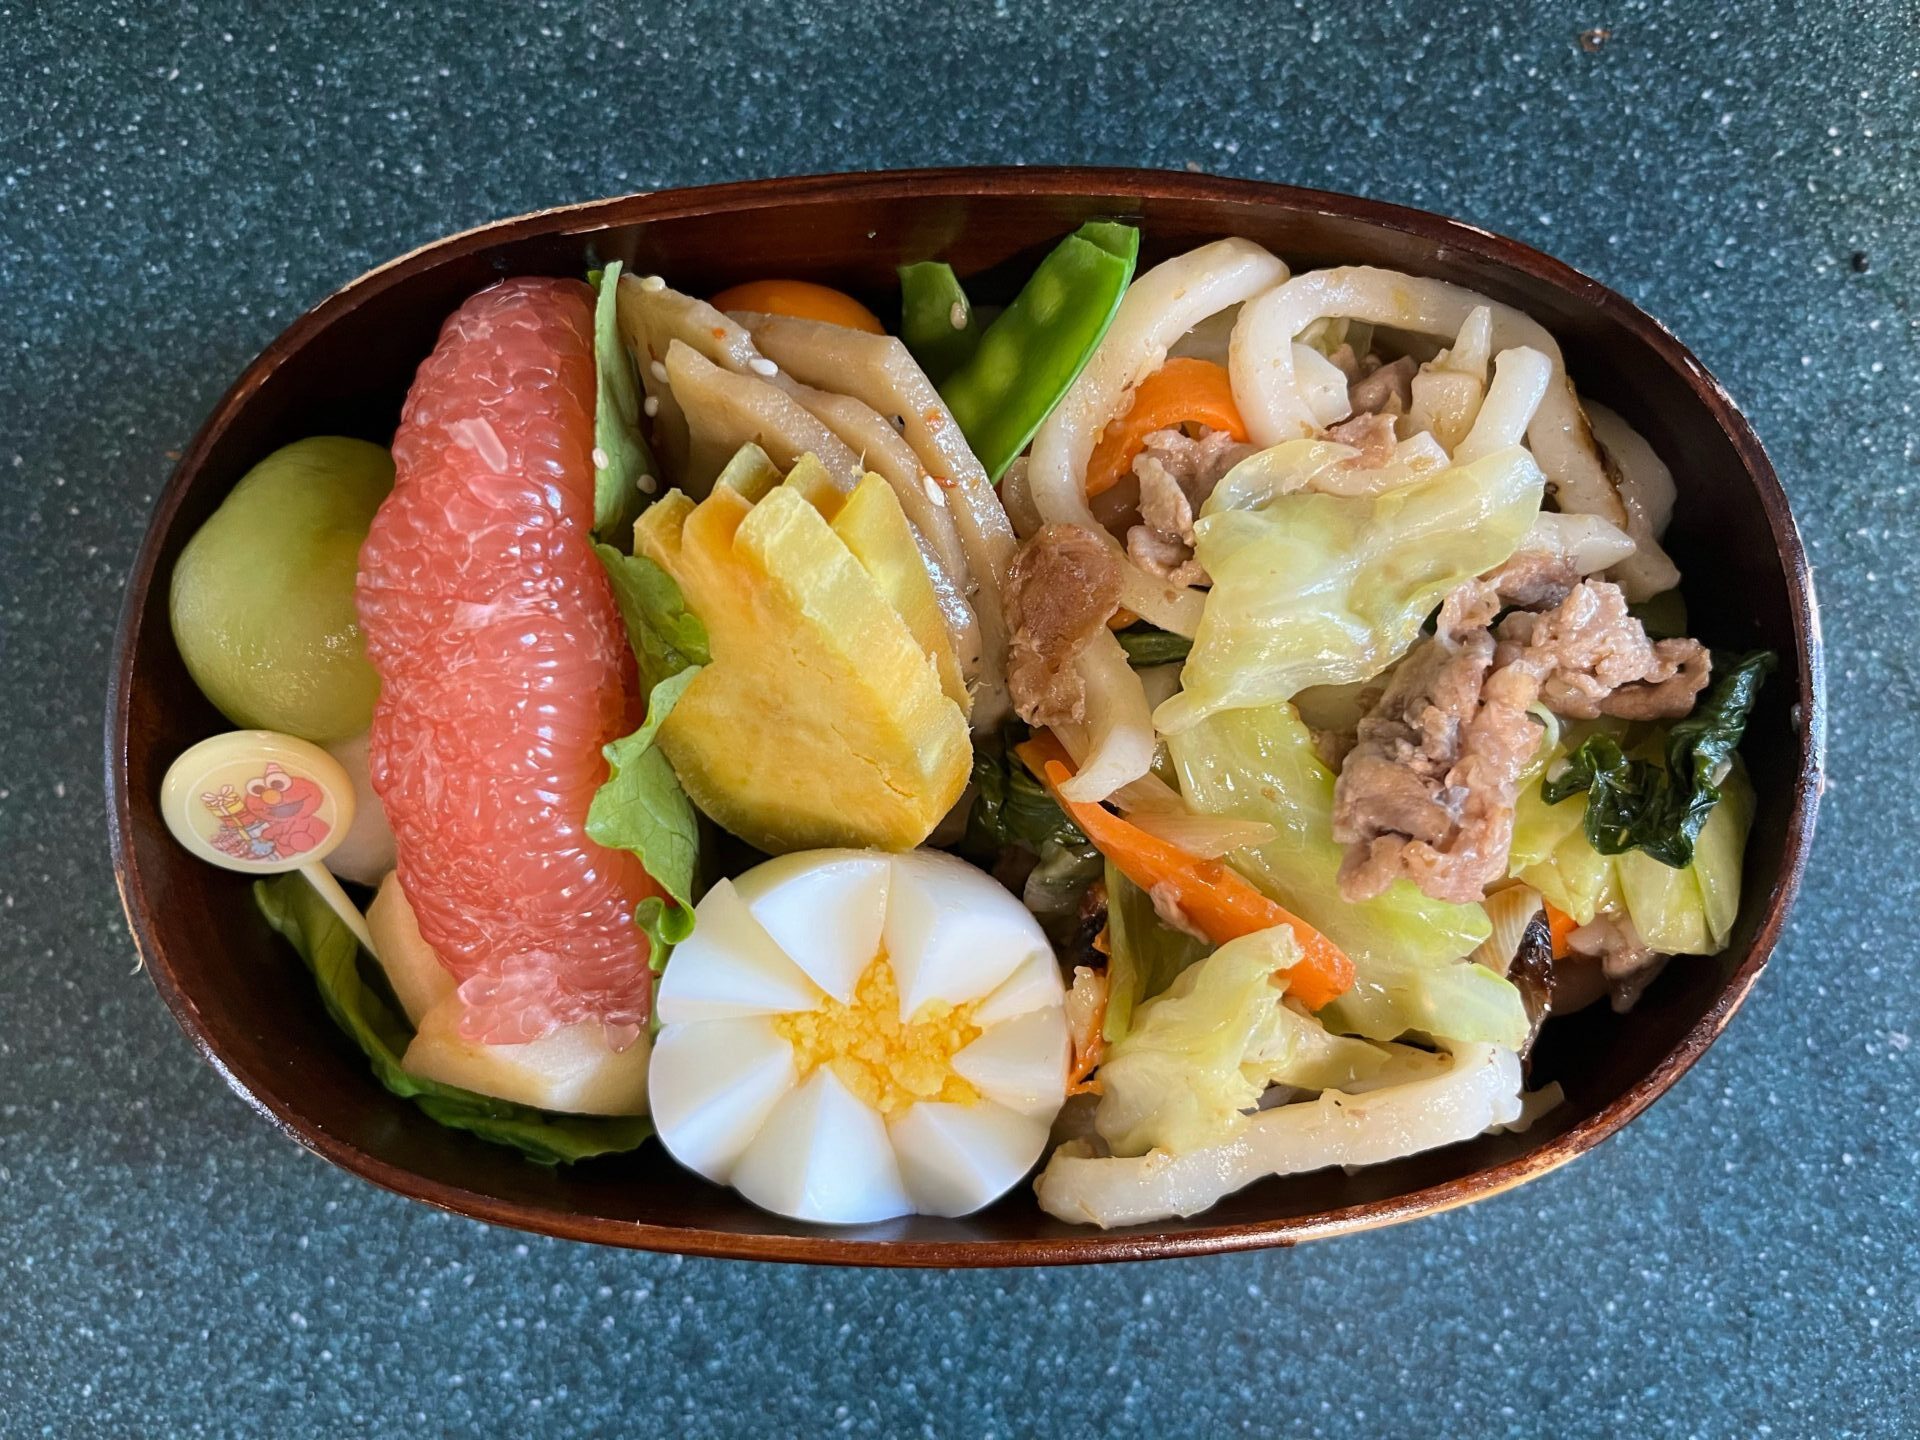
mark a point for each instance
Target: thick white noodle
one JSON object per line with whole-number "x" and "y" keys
{"x": 1323, "y": 384}
{"x": 1646, "y": 486}
{"x": 1160, "y": 307}
{"x": 1520, "y": 380}
{"x": 1586, "y": 542}
{"x": 1267, "y": 390}
{"x": 1479, "y": 1088}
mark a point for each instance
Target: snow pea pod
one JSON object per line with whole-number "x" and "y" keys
{"x": 1039, "y": 344}
{"x": 936, "y": 318}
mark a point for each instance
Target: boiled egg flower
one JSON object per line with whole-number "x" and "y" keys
{"x": 850, "y": 1036}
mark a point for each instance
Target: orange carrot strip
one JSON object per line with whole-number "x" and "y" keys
{"x": 1560, "y": 926}
{"x": 1083, "y": 1081}
{"x": 1219, "y": 901}
{"x": 1182, "y": 391}
{"x": 801, "y": 299}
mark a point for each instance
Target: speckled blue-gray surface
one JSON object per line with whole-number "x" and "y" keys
{"x": 180, "y": 181}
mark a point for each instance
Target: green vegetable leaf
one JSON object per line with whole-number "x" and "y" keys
{"x": 1637, "y": 804}
{"x": 666, "y": 636}
{"x": 642, "y": 808}
{"x": 1147, "y": 646}
{"x": 931, "y": 299}
{"x": 295, "y": 910}
{"x": 1010, "y": 807}
{"x": 621, "y": 458}
{"x": 1146, "y": 954}
{"x": 1663, "y": 616}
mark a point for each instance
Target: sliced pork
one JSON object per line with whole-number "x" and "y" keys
{"x": 1062, "y": 588}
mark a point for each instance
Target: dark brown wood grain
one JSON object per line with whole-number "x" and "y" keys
{"x": 344, "y": 367}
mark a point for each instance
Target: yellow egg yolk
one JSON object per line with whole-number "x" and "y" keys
{"x": 887, "y": 1062}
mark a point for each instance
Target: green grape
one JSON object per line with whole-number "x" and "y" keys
{"x": 262, "y": 599}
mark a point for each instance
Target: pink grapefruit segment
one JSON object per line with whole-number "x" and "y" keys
{"x": 503, "y": 670}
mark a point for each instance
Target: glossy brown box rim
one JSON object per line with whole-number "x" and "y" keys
{"x": 1805, "y": 670}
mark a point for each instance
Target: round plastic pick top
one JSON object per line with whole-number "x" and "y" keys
{"x": 263, "y": 803}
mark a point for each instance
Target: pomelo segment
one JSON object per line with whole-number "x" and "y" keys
{"x": 503, "y": 670}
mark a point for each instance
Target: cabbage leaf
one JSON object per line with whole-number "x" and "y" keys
{"x": 1146, "y": 954}
{"x": 1315, "y": 589}
{"x": 1202, "y": 1053}
{"x": 1407, "y": 949}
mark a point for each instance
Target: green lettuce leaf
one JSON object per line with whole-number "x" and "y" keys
{"x": 1659, "y": 808}
{"x": 621, "y": 459}
{"x": 295, "y": 910}
{"x": 1201, "y": 1053}
{"x": 666, "y": 636}
{"x": 1145, "y": 954}
{"x": 642, "y": 808}
{"x": 1407, "y": 949}
{"x": 1315, "y": 589}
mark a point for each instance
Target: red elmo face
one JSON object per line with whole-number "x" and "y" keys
{"x": 277, "y": 796}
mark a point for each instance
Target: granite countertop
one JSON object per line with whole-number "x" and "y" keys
{"x": 178, "y": 182}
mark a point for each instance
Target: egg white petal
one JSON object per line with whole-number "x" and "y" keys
{"x": 1035, "y": 984}
{"x": 953, "y": 932}
{"x": 1021, "y": 1063}
{"x": 713, "y": 1085}
{"x": 823, "y": 1155}
{"x": 956, "y": 1158}
{"x": 825, "y": 909}
{"x": 730, "y": 966}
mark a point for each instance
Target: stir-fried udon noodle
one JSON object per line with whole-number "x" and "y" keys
{"x": 1296, "y": 653}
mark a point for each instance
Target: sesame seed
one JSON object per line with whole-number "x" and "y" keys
{"x": 651, "y": 406}
{"x": 760, "y": 365}
{"x": 600, "y": 458}
{"x": 657, "y": 370}
{"x": 652, "y": 282}
{"x": 647, "y": 484}
{"x": 934, "y": 492}
{"x": 957, "y": 316}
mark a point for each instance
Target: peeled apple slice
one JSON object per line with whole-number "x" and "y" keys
{"x": 571, "y": 1070}
{"x": 367, "y": 852}
{"x": 851, "y": 1036}
{"x": 419, "y": 980}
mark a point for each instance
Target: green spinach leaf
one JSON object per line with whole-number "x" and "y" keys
{"x": 1010, "y": 807}
{"x": 1147, "y": 646}
{"x": 1638, "y": 804}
